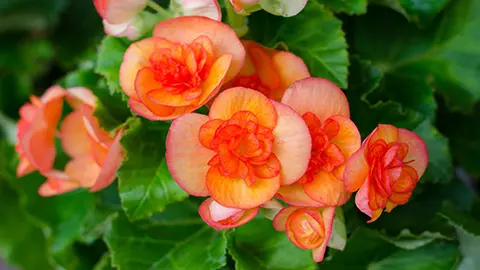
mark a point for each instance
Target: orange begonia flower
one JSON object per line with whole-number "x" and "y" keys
{"x": 181, "y": 67}
{"x": 241, "y": 152}
{"x": 206, "y": 8}
{"x": 36, "y": 131}
{"x": 307, "y": 227}
{"x": 269, "y": 71}
{"x": 386, "y": 169}
{"x": 335, "y": 138}
{"x": 96, "y": 155}
{"x": 220, "y": 217}
{"x": 119, "y": 16}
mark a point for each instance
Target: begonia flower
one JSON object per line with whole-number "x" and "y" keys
{"x": 386, "y": 169}
{"x": 220, "y": 217}
{"x": 241, "y": 152}
{"x": 120, "y": 16}
{"x": 269, "y": 71}
{"x": 285, "y": 8}
{"x": 335, "y": 138}
{"x": 181, "y": 67}
{"x": 206, "y": 8}
{"x": 307, "y": 227}
{"x": 36, "y": 131}
{"x": 96, "y": 155}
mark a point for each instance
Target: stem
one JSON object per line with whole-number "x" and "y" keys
{"x": 159, "y": 9}
{"x": 230, "y": 13}
{"x": 236, "y": 21}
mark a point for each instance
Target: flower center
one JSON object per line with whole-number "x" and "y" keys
{"x": 243, "y": 147}
{"x": 181, "y": 68}
{"x": 389, "y": 173}
{"x": 307, "y": 231}
{"x": 326, "y": 156}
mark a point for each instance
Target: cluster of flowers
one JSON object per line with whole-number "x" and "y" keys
{"x": 272, "y": 131}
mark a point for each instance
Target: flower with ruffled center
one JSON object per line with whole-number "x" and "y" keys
{"x": 386, "y": 169}
{"x": 241, "y": 152}
{"x": 335, "y": 138}
{"x": 269, "y": 71}
{"x": 181, "y": 67}
{"x": 307, "y": 227}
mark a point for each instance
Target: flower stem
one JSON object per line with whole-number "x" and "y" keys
{"x": 159, "y": 9}
{"x": 236, "y": 21}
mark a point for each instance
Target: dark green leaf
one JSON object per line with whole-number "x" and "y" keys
{"x": 314, "y": 34}
{"x": 409, "y": 241}
{"x": 109, "y": 60}
{"x": 145, "y": 183}
{"x": 341, "y": 6}
{"x": 256, "y": 245}
{"x": 436, "y": 256}
{"x": 185, "y": 243}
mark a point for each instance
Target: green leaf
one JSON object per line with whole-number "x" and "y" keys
{"x": 145, "y": 184}
{"x": 363, "y": 247}
{"x": 10, "y": 101}
{"x": 444, "y": 55}
{"x": 109, "y": 60}
{"x": 104, "y": 263}
{"x": 436, "y": 256}
{"x": 409, "y": 241}
{"x": 420, "y": 12}
{"x": 440, "y": 168}
{"x": 469, "y": 244}
{"x": 460, "y": 219}
{"x": 256, "y": 245}
{"x": 350, "y": 7}
{"x": 183, "y": 243}
{"x": 95, "y": 224}
{"x": 339, "y": 233}
{"x": 314, "y": 34}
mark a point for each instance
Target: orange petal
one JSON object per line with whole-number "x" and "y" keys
{"x": 186, "y": 158}
{"x": 185, "y": 29}
{"x": 295, "y": 195}
{"x": 290, "y": 68}
{"x": 327, "y": 189}
{"x": 110, "y": 166}
{"x": 400, "y": 198}
{"x": 77, "y": 96}
{"x": 348, "y": 138}
{"x": 292, "y": 142}
{"x": 263, "y": 64}
{"x": 388, "y": 133}
{"x": 280, "y": 220}
{"x": 362, "y": 199}
{"x": 417, "y": 150}
{"x": 238, "y": 99}
{"x": 74, "y": 135}
{"x": 95, "y": 132}
{"x": 52, "y": 94}
{"x": 356, "y": 171}
{"x": 140, "y": 109}
{"x": 84, "y": 170}
{"x": 216, "y": 77}
{"x": 319, "y": 96}
{"x": 328, "y": 215}
{"x": 207, "y": 132}
{"x": 234, "y": 192}
{"x": 24, "y": 167}
{"x": 57, "y": 183}
{"x": 135, "y": 58}
{"x": 213, "y": 214}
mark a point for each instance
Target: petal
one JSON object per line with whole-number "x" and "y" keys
{"x": 356, "y": 171}
{"x": 187, "y": 28}
{"x": 327, "y": 189}
{"x": 74, "y": 136}
{"x": 290, "y": 68}
{"x": 264, "y": 67}
{"x": 135, "y": 58}
{"x": 348, "y": 138}
{"x": 207, "y": 132}
{"x": 57, "y": 183}
{"x": 24, "y": 167}
{"x": 319, "y": 96}
{"x": 238, "y": 99}
{"x": 129, "y": 29}
{"x": 219, "y": 212}
{"x": 118, "y": 11}
{"x": 295, "y": 195}
{"x": 216, "y": 77}
{"x": 76, "y": 96}
{"x": 328, "y": 215}
{"x": 95, "y": 132}
{"x": 292, "y": 142}
{"x": 417, "y": 150}
{"x": 52, "y": 94}
{"x": 388, "y": 133}
{"x": 362, "y": 199}
{"x": 186, "y": 158}
{"x": 285, "y": 8}
{"x": 400, "y": 198}
{"x": 110, "y": 166}
{"x": 205, "y": 8}
{"x": 234, "y": 192}
{"x": 280, "y": 220}
{"x": 143, "y": 111}
{"x": 84, "y": 170}
{"x": 206, "y": 214}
